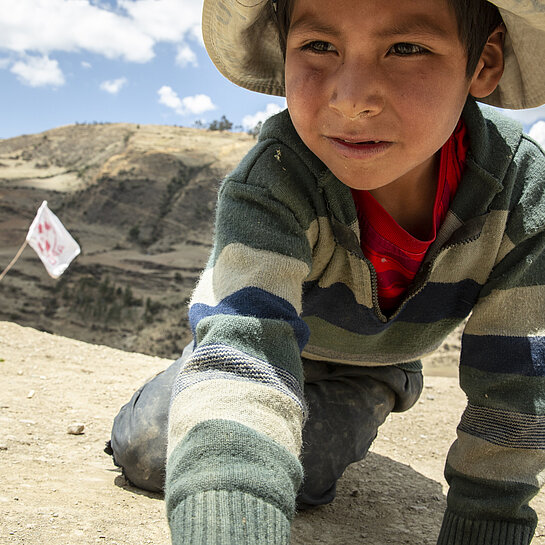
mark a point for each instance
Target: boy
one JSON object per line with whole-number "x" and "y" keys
{"x": 372, "y": 217}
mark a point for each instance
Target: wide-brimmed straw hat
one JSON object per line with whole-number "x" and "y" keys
{"x": 249, "y": 55}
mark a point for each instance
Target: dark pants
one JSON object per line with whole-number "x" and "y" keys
{"x": 346, "y": 406}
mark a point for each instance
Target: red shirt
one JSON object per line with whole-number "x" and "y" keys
{"x": 395, "y": 254}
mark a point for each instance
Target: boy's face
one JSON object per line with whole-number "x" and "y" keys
{"x": 375, "y": 87}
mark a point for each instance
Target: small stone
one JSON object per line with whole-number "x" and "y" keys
{"x": 76, "y": 429}
{"x": 30, "y": 394}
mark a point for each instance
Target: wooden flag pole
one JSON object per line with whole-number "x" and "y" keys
{"x": 13, "y": 261}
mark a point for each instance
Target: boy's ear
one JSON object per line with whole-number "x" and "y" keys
{"x": 489, "y": 69}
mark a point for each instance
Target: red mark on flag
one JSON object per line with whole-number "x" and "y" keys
{"x": 51, "y": 241}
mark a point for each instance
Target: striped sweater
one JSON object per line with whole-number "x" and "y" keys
{"x": 287, "y": 276}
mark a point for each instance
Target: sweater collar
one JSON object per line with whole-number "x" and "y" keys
{"x": 493, "y": 141}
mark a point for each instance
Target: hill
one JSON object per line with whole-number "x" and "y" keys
{"x": 140, "y": 201}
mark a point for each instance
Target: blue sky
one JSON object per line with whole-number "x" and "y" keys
{"x": 138, "y": 61}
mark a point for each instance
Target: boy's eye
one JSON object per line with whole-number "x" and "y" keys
{"x": 407, "y": 49}
{"x": 318, "y": 46}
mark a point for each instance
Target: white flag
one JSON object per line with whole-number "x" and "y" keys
{"x": 51, "y": 241}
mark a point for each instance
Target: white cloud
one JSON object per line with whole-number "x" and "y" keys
{"x": 192, "y": 105}
{"x": 85, "y": 64}
{"x": 526, "y": 117}
{"x": 130, "y": 33}
{"x": 71, "y": 26}
{"x": 197, "y": 104}
{"x": 38, "y": 72}
{"x": 185, "y": 56}
{"x": 537, "y": 132}
{"x": 169, "y": 98}
{"x": 165, "y": 20}
{"x": 113, "y": 86}
{"x": 250, "y": 121}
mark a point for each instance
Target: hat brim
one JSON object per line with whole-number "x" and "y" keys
{"x": 245, "y": 49}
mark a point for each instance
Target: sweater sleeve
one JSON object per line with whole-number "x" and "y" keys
{"x": 237, "y": 408}
{"x": 497, "y": 464}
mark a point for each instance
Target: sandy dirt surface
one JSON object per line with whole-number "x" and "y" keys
{"x": 62, "y": 488}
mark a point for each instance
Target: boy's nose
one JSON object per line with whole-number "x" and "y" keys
{"x": 356, "y": 92}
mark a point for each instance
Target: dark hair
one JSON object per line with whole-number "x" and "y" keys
{"x": 476, "y": 21}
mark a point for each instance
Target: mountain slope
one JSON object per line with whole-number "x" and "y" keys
{"x": 140, "y": 201}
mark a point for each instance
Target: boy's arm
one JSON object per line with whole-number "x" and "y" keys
{"x": 237, "y": 409}
{"x": 497, "y": 464}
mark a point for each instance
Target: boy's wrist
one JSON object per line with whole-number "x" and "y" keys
{"x": 458, "y": 529}
{"x": 229, "y": 517}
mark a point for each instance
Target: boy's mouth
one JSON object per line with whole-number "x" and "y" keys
{"x": 359, "y": 143}
{"x": 360, "y": 148}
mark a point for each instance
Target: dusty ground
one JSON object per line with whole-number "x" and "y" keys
{"x": 61, "y": 488}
